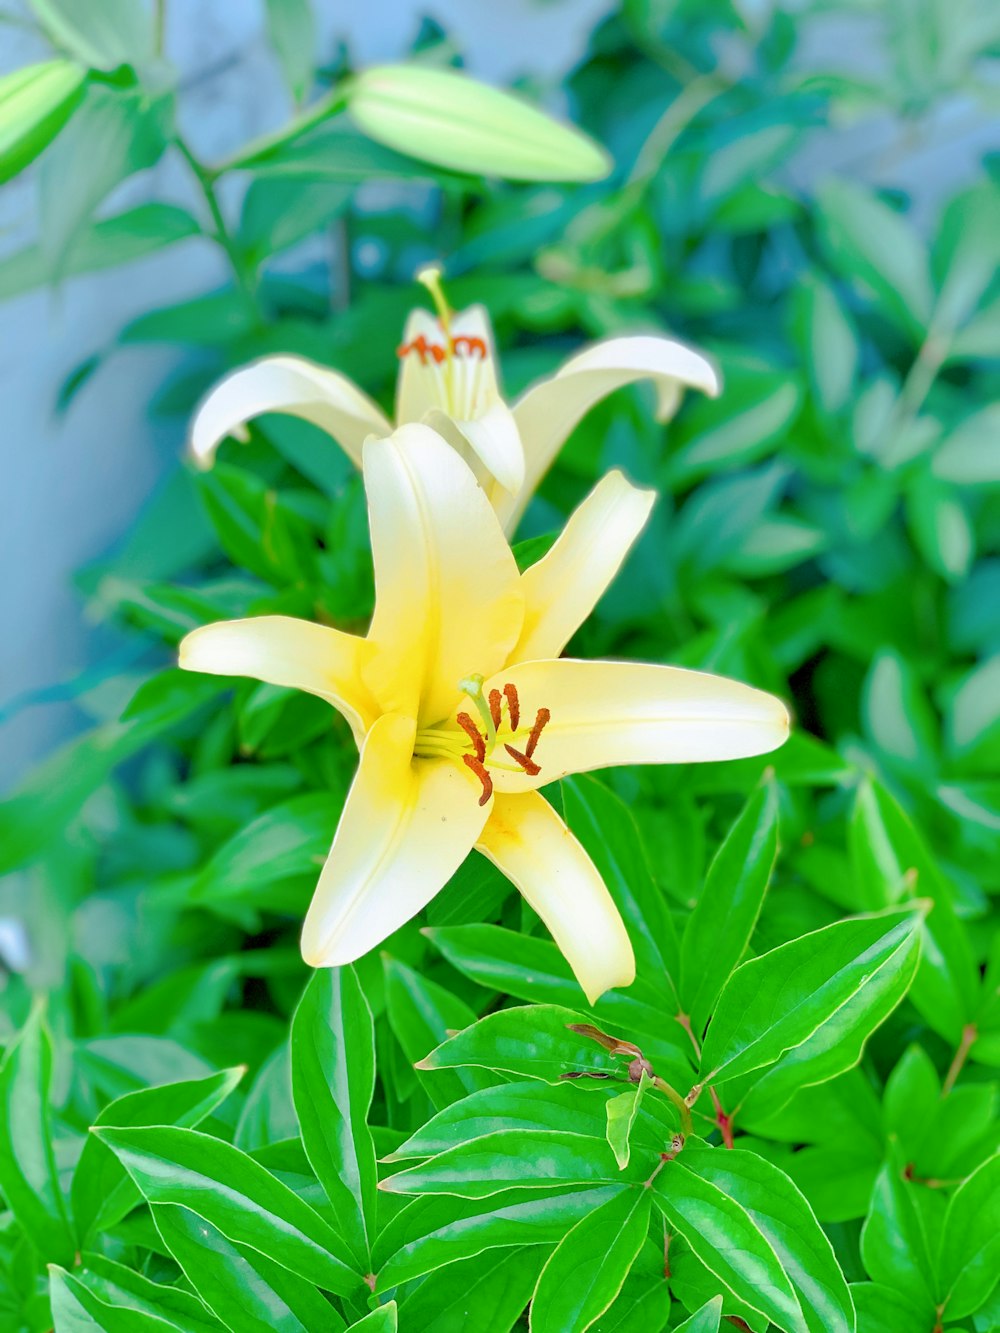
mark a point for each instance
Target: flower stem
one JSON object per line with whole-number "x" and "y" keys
{"x": 222, "y": 234}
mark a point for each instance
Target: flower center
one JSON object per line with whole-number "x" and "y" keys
{"x": 475, "y": 741}
{"x": 457, "y": 347}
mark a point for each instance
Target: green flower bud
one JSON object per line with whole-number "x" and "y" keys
{"x": 35, "y": 103}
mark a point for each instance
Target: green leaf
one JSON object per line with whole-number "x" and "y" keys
{"x": 493, "y": 1288}
{"x": 826, "y": 986}
{"x": 967, "y": 454}
{"x": 870, "y": 242}
{"x": 102, "y": 1193}
{"x": 621, "y": 1112}
{"x": 333, "y": 1079}
{"x": 245, "y": 1287}
{"x": 894, "y": 1242}
{"x": 533, "y": 1042}
{"x": 35, "y": 103}
{"x": 437, "y": 1230}
{"x": 969, "y": 1263}
{"x": 746, "y": 1221}
{"x": 892, "y": 863}
{"x": 719, "y": 929}
{"x": 76, "y": 1309}
{"x": 101, "y": 33}
{"x": 831, "y": 346}
{"x": 291, "y": 31}
{"x": 114, "y": 134}
{"x": 705, "y": 1320}
{"x": 586, "y": 1270}
{"x": 29, "y": 1179}
{"x": 898, "y": 716}
{"x": 107, "y": 244}
{"x": 883, "y": 1310}
{"x": 277, "y": 213}
{"x": 120, "y": 1287}
{"x": 233, "y": 1193}
{"x": 421, "y": 1014}
{"x": 509, "y": 1159}
{"x": 383, "y": 1320}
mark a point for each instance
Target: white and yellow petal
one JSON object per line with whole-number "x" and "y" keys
{"x": 562, "y": 588}
{"x": 607, "y": 713}
{"x": 548, "y": 412}
{"x": 526, "y": 839}
{"x": 460, "y": 380}
{"x": 292, "y": 385}
{"x": 491, "y": 446}
{"x": 448, "y": 602}
{"x": 282, "y": 650}
{"x": 407, "y": 826}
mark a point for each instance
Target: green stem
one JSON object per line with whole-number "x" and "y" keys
{"x": 221, "y": 233}
{"x": 321, "y": 110}
{"x": 159, "y": 26}
{"x": 969, "y": 1035}
{"x": 663, "y": 1086}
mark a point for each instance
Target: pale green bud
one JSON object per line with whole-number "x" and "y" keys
{"x": 35, "y": 103}
{"x": 446, "y": 118}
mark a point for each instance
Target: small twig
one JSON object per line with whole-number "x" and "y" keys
{"x": 969, "y": 1034}
{"x": 663, "y": 1086}
{"x": 222, "y": 233}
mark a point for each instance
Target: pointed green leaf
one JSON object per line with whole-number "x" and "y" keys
{"x": 705, "y": 1320}
{"x": 622, "y": 1112}
{"x": 894, "y": 1242}
{"x": 120, "y": 1287}
{"x": 333, "y": 1079}
{"x": 236, "y": 1195}
{"x": 969, "y": 1264}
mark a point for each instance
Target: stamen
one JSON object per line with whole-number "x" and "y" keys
{"x": 541, "y": 718}
{"x": 473, "y": 344}
{"x": 423, "y": 349}
{"x": 482, "y": 773}
{"x": 472, "y": 686}
{"x": 513, "y": 706}
{"x": 527, "y": 763}
{"x": 495, "y": 698}
{"x": 473, "y": 733}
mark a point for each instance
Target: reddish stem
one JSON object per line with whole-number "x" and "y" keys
{"x": 969, "y": 1035}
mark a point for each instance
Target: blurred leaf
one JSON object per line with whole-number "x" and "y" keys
{"x": 291, "y": 31}
{"x": 969, "y": 454}
{"x": 101, "y": 33}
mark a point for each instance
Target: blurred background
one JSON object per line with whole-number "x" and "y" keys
{"x": 736, "y": 113}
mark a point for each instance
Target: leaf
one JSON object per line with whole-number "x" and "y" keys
{"x": 586, "y": 1270}
{"x": 120, "y": 239}
{"x": 76, "y": 1309}
{"x": 705, "y": 1320}
{"x": 719, "y": 929}
{"x": 113, "y": 134}
{"x": 101, "y": 33}
{"x": 437, "y": 1230}
{"x": 969, "y": 1263}
{"x": 509, "y": 1159}
{"x": 967, "y": 454}
{"x": 492, "y": 1288}
{"x": 621, "y": 1112}
{"x": 892, "y": 863}
{"x": 869, "y": 241}
{"x": 894, "y": 1244}
{"x": 277, "y": 213}
{"x": 884, "y": 1310}
{"x": 831, "y": 346}
{"x": 828, "y": 982}
{"x": 746, "y": 1221}
{"x": 245, "y": 1287}
{"x": 333, "y": 1079}
{"x": 533, "y": 1042}
{"x": 421, "y": 1014}
{"x": 119, "y": 1287}
{"x": 102, "y": 1193}
{"x": 29, "y": 1179}
{"x": 35, "y": 103}
{"x": 383, "y": 1320}
{"x": 233, "y": 1193}
{"x": 291, "y": 31}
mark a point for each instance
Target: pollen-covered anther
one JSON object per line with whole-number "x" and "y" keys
{"x": 496, "y": 699}
{"x": 474, "y": 735}
{"x": 482, "y": 773}
{"x": 513, "y": 705}
{"x": 528, "y": 764}
{"x": 541, "y": 718}
{"x": 423, "y": 349}
{"x": 474, "y": 346}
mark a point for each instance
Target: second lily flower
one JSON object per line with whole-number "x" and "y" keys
{"x": 462, "y": 707}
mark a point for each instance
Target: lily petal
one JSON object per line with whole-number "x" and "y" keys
{"x": 286, "y": 384}
{"x": 547, "y": 413}
{"x": 490, "y": 445}
{"x": 608, "y": 713}
{"x": 282, "y": 650}
{"x": 448, "y": 599}
{"x": 407, "y": 826}
{"x": 464, "y": 385}
{"x": 526, "y": 839}
{"x": 562, "y": 588}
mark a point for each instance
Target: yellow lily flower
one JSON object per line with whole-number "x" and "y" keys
{"x": 448, "y": 379}
{"x": 462, "y": 707}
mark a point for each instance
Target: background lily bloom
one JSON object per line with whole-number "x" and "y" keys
{"x": 462, "y": 707}
{"x": 448, "y": 379}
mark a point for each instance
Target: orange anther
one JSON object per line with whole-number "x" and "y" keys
{"x": 495, "y": 698}
{"x": 527, "y": 763}
{"x": 513, "y": 706}
{"x": 473, "y": 733}
{"x": 474, "y": 345}
{"x": 482, "y": 774}
{"x": 541, "y": 718}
